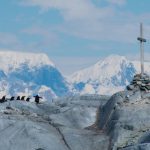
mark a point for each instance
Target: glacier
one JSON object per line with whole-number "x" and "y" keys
{"x": 108, "y": 76}
{"x": 30, "y": 74}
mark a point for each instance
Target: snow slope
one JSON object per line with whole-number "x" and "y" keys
{"x": 10, "y": 60}
{"x": 107, "y": 76}
{"x": 49, "y": 126}
{"x": 30, "y": 74}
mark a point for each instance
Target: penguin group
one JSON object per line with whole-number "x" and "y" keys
{"x": 23, "y": 98}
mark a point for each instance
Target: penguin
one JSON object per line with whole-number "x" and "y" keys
{"x": 3, "y": 99}
{"x": 28, "y": 99}
{"x": 23, "y": 98}
{"x": 37, "y": 99}
{"x": 18, "y": 98}
{"x": 12, "y": 98}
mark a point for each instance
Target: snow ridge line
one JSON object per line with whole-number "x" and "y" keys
{"x": 62, "y": 136}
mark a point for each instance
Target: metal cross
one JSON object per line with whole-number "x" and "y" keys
{"x": 142, "y": 40}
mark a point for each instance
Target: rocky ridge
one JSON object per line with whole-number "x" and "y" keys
{"x": 87, "y": 122}
{"x": 51, "y": 126}
{"x": 141, "y": 82}
{"x": 125, "y": 118}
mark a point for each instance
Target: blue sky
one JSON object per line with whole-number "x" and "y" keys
{"x": 74, "y": 33}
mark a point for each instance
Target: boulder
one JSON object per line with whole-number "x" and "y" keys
{"x": 141, "y": 82}
{"x": 130, "y": 87}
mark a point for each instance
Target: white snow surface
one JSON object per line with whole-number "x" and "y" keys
{"x": 88, "y": 89}
{"x": 10, "y": 60}
{"x": 107, "y": 76}
{"x": 101, "y": 70}
{"x": 50, "y": 126}
{"x": 28, "y": 74}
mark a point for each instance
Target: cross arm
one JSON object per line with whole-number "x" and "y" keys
{"x": 141, "y": 39}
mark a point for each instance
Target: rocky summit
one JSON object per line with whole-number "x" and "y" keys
{"x": 141, "y": 82}
{"x": 125, "y": 118}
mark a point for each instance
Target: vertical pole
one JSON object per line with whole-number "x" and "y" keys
{"x": 142, "y": 49}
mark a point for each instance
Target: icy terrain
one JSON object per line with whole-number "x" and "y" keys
{"x": 107, "y": 76}
{"x": 51, "y": 126}
{"x": 88, "y": 122}
{"x": 125, "y": 118}
{"x": 10, "y": 61}
{"x": 29, "y": 74}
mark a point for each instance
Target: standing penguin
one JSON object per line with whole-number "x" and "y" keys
{"x": 3, "y": 99}
{"x": 23, "y": 98}
{"x": 18, "y": 98}
{"x": 28, "y": 99}
{"x": 37, "y": 99}
{"x": 12, "y": 98}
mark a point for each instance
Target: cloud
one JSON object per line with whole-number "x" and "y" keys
{"x": 44, "y": 38}
{"x": 45, "y": 33}
{"x": 84, "y": 19}
{"x": 117, "y": 2}
{"x": 71, "y": 9}
{"x": 8, "y": 39}
{"x": 68, "y": 65}
{"x": 137, "y": 56}
{"x": 41, "y": 40}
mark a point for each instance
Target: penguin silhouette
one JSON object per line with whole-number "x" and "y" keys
{"x": 23, "y": 98}
{"x": 28, "y": 99}
{"x": 3, "y": 99}
{"x": 37, "y": 99}
{"x": 18, "y": 98}
{"x": 12, "y": 98}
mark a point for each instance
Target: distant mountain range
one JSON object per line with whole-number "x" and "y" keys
{"x": 107, "y": 76}
{"x": 29, "y": 74}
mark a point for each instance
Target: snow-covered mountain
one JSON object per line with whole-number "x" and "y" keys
{"x": 10, "y": 60}
{"x": 107, "y": 76}
{"x": 29, "y": 74}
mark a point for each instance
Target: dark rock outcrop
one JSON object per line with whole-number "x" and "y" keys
{"x": 140, "y": 82}
{"x": 125, "y": 118}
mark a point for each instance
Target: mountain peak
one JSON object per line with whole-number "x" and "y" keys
{"x": 112, "y": 73}
{"x": 11, "y": 59}
{"x": 30, "y": 74}
{"x": 113, "y": 59}
{"x": 104, "y": 68}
